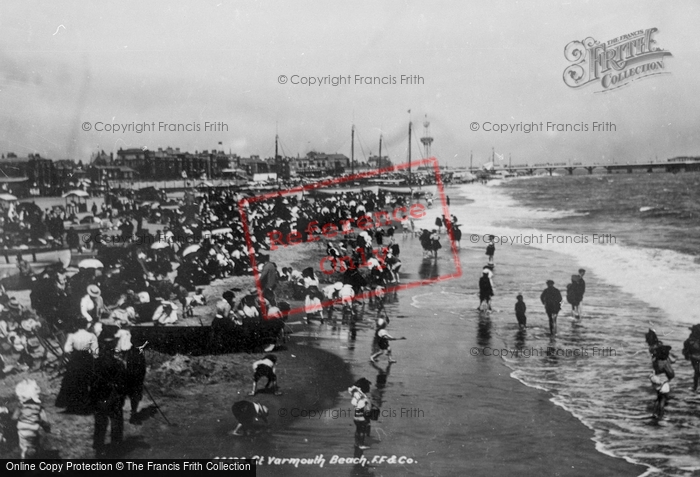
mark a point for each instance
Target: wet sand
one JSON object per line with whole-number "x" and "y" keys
{"x": 480, "y": 420}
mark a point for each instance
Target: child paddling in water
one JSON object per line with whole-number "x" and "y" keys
{"x": 383, "y": 337}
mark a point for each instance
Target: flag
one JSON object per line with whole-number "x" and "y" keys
{"x": 499, "y": 156}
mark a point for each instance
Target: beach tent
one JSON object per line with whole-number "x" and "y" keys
{"x": 76, "y": 193}
{"x": 221, "y": 231}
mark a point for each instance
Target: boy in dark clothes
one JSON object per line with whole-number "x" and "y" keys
{"x": 520, "y": 309}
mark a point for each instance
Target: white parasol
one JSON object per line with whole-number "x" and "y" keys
{"x": 190, "y": 249}
{"x": 90, "y": 263}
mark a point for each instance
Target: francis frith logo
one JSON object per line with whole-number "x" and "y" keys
{"x": 614, "y": 63}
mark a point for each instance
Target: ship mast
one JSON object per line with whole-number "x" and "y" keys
{"x": 352, "y": 151}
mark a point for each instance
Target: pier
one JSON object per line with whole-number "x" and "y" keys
{"x": 672, "y": 166}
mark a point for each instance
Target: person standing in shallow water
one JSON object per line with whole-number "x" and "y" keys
{"x": 520, "y": 309}
{"x": 581, "y": 288}
{"x": 491, "y": 248}
{"x": 574, "y": 295}
{"x": 551, "y": 299}
{"x": 661, "y": 377}
{"x": 485, "y": 291}
{"x": 691, "y": 351}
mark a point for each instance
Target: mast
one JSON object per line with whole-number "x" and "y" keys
{"x": 379, "y": 164}
{"x": 277, "y": 161}
{"x": 409, "y": 151}
{"x": 352, "y": 151}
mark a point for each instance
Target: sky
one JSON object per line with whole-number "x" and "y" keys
{"x": 64, "y": 64}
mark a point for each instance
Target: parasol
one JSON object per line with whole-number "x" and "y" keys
{"x": 90, "y": 263}
{"x": 159, "y": 245}
{"x": 190, "y": 249}
{"x": 7, "y": 197}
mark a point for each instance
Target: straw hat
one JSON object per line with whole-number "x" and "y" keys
{"x": 93, "y": 291}
{"x": 28, "y": 390}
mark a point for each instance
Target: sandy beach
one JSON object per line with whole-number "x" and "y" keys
{"x": 477, "y": 418}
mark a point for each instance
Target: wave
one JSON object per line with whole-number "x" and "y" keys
{"x": 662, "y": 278}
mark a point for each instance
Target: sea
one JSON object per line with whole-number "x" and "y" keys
{"x": 636, "y": 235}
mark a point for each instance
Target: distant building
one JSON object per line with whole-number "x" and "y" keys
{"x": 171, "y": 163}
{"x": 318, "y": 164}
{"x": 25, "y": 173}
{"x": 376, "y": 162}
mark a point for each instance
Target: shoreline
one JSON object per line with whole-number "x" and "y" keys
{"x": 326, "y": 373}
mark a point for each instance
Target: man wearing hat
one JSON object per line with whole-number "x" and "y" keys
{"x": 91, "y": 305}
{"x": 225, "y": 319}
{"x": 13, "y": 310}
{"x": 268, "y": 278}
{"x": 691, "y": 351}
{"x": 108, "y": 392}
{"x": 165, "y": 314}
{"x": 551, "y": 299}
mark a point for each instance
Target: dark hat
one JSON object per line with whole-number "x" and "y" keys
{"x": 271, "y": 357}
{"x": 14, "y": 304}
{"x": 363, "y": 384}
{"x": 108, "y": 333}
{"x": 228, "y": 295}
{"x": 550, "y": 282}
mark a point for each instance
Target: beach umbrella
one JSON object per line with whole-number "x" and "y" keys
{"x": 90, "y": 263}
{"x": 191, "y": 249}
{"x": 159, "y": 245}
